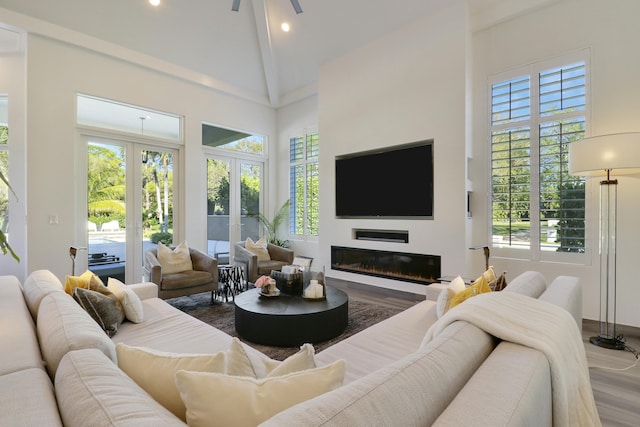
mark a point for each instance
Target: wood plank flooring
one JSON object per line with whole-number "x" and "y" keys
{"x": 617, "y": 392}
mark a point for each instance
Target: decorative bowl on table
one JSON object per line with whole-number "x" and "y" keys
{"x": 289, "y": 283}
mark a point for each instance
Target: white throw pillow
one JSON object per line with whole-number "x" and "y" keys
{"x": 265, "y": 367}
{"x": 176, "y": 260}
{"x": 257, "y": 365}
{"x": 445, "y": 296}
{"x": 155, "y": 371}
{"x": 259, "y": 248}
{"x": 130, "y": 301}
{"x": 245, "y": 401}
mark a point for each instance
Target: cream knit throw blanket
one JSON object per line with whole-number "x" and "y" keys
{"x": 541, "y": 325}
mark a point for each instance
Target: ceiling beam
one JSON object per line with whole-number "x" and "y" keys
{"x": 266, "y": 49}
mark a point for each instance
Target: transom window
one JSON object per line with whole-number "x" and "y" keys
{"x": 536, "y": 205}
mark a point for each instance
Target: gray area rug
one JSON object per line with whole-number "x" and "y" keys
{"x": 221, "y": 316}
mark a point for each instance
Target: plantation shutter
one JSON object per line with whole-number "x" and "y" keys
{"x": 530, "y": 136}
{"x": 304, "y": 184}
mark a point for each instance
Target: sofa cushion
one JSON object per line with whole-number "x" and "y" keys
{"x": 38, "y": 285}
{"x": 128, "y": 298}
{"x": 244, "y": 401}
{"x": 258, "y": 248}
{"x": 20, "y": 348}
{"x": 92, "y": 391}
{"x": 565, "y": 292}
{"x": 531, "y": 283}
{"x": 174, "y": 260}
{"x": 104, "y": 309}
{"x": 64, "y": 326}
{"x": 408, "y": 392}
{"x": 383, "y": 343}
{"x": 27, "y": 399}
{"x": 185, "y": 279}
{"x": 265, "y": 268}
{"x": 523, "y": 400}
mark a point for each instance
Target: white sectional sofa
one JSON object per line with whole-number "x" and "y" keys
{"x": 57, "y": 367}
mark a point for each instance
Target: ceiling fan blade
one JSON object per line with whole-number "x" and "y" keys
{"x": 236, "y": 5}
{"x": 296, "y": 6}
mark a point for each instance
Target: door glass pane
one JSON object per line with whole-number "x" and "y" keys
{"x": 106, "y": 210}
{"x": 250, "y": 175}
{"x": 218, "y": 197}
{"x": 157, "y": 198}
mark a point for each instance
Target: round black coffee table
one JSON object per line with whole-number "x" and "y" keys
{"x": 290, "y": 321}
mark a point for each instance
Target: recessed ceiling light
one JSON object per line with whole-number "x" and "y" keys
{"x": 285, "y": 27}
{"x": 154, "y": 2}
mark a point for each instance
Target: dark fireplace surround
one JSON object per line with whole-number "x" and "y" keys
{"x": 408, "y": 267}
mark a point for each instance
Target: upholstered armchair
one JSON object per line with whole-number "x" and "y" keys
{"x": 203, "y": 277}
{"x": 278, "y": 255}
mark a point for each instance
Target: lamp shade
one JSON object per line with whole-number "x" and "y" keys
{"x": 618, "y": 152}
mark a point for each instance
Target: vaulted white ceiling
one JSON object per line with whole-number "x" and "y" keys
{"x": 247, "y": 49}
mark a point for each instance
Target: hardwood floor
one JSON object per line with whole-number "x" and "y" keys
{"x": 616, "y": 391}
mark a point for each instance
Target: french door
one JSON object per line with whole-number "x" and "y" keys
{"x": 234, "y": 199}
{"x": 129, "y": 204}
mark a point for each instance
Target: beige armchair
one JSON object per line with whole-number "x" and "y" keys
{"x": 279, "y": 257}
{"x": 203, "y": 277}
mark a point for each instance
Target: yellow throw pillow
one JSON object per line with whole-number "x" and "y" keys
{"x": 480, "y": 286}
{"x": 246, "y": 401}
{"x": 259, "y": 248}
{"x": 73, "y": 282}
{"x": 176, "y": 260}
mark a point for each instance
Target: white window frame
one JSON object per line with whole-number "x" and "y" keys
{"x": 304, "y": 162}
{"x": 534, "y": 252}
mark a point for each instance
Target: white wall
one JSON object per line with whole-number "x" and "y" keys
{"x": 408, "y": 86}
{"x": 293, "y": 120}
{"x": 610, "y": 31}
{"x": 56, "y": 72}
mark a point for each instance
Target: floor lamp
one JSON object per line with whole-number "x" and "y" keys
{"x": 606, "y": 155}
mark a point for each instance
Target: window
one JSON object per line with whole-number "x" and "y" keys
{"x": 536, "y": 205}
{"x": 4, "y": 164}
{"x": 303, "y": 185}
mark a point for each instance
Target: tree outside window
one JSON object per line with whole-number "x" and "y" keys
{"x": 304, "y": 184}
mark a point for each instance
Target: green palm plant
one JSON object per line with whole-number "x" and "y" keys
{"x": 4, "y": 244}
{"x": 271, "y": 226}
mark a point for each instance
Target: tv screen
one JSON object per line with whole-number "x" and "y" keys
{"x": 394, "y": 182}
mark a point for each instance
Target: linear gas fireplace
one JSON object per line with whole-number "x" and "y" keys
{"x": 416, "y": 268}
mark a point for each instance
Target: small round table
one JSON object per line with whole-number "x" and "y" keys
{"x": 288, "y": 320}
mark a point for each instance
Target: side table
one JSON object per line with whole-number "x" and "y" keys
{"x": 230, "y": 278}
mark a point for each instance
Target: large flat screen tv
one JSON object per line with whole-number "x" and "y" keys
{"x": 394, "y": 182}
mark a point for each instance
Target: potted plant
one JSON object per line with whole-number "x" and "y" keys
{"x": 271, "y": 226}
